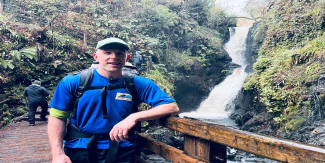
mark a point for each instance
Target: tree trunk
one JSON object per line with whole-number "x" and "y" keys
{"x": 1, "y": 7}
{"x": 85, "y": 39}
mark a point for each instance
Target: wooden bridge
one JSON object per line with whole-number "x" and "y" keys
{"x": 204, "y": 142}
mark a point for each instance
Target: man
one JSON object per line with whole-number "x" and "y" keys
{"x": 36, "y": 95}
{"x": 112, "y": 54}
{"x": 137, "y": 59}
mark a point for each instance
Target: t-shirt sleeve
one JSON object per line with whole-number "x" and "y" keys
{"x": 63, "y": 98}
{"x": 59, "y": 113}
{"x": 150, "y": 93}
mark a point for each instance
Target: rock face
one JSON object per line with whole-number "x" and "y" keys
{"x": 197, "y": 83}
{"x": 311, "y": 131}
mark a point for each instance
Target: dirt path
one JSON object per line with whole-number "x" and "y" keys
{"x": 21, "y": 143}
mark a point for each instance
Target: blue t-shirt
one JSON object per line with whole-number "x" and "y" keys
{"x": 89, "y": 114}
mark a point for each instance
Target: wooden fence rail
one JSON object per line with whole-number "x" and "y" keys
{"x": 206, "y": 142}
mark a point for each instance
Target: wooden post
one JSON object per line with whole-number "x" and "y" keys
{"x": 206, "y": 150}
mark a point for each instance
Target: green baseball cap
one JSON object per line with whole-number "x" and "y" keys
{"x": 112, "y": 41}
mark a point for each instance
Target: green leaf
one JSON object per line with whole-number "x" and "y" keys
{"x": 16, "y": 54}
{"x": 10, "y": 65}
{"x": 30, "y": 53}
{"x": 3, "y": 63}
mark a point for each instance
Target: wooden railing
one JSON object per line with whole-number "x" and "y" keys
{"x": 204, "y": 142}
{"x": 4, "y": 98}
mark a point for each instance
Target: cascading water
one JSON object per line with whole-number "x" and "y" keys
{"x": 219, "y": 102}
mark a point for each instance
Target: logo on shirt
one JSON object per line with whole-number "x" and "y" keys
{"x": 123, "y": 96}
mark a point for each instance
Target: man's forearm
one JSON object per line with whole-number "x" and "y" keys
{"x": 56, "y": 132}
{"x": 120, "y": 130}
{"x": 156, "y": 112}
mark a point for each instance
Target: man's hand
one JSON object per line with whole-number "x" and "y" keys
{"x": 62, "y": 158}
{"x": 121, "y": 129}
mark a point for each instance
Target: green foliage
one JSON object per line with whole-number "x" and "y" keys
{"x": 144, "y": 124}
{"x": 30, "y": 53}
{"x": 180, "y": 60}
{"x": 159, "y": 15}
{"x": 261, "y": 64}
{"x": 25, "y": 54}
{"x": 18, "y": 111}
{"x": 199, "y": 9}
{"x": 6, "y": 64}
{"x": 159, "y": 78}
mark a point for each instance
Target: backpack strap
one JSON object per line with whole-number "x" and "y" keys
{"x": 85, "y": 79}
{"x": 128, "y": 80}
{"x": 103, "y": 95}
{"x": 129, "y": 83}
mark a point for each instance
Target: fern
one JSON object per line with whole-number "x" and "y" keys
{"x": 30, "y": 53}
{"x": 16, "y": 54}
{"x": 6, "y": 64}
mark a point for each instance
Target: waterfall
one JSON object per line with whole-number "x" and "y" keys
{"x": 219, "y": 102}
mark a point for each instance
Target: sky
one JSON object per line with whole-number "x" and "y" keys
{"x": 237, "y": 8}
{"x": 233, "y": 6}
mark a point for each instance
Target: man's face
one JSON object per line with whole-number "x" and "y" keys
{"x": 111, "y": 60}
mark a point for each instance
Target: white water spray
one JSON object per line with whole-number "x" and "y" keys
{"x": 223, "y": 94}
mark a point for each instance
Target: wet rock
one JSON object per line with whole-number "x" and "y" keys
{"x": 306, "y": 97}
{"x": 167, "y": 136}
{"x": 261, "y": 123}
{"x": 310, "y": 83}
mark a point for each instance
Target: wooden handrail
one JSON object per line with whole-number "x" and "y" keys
{"x": 269, "y": 147}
